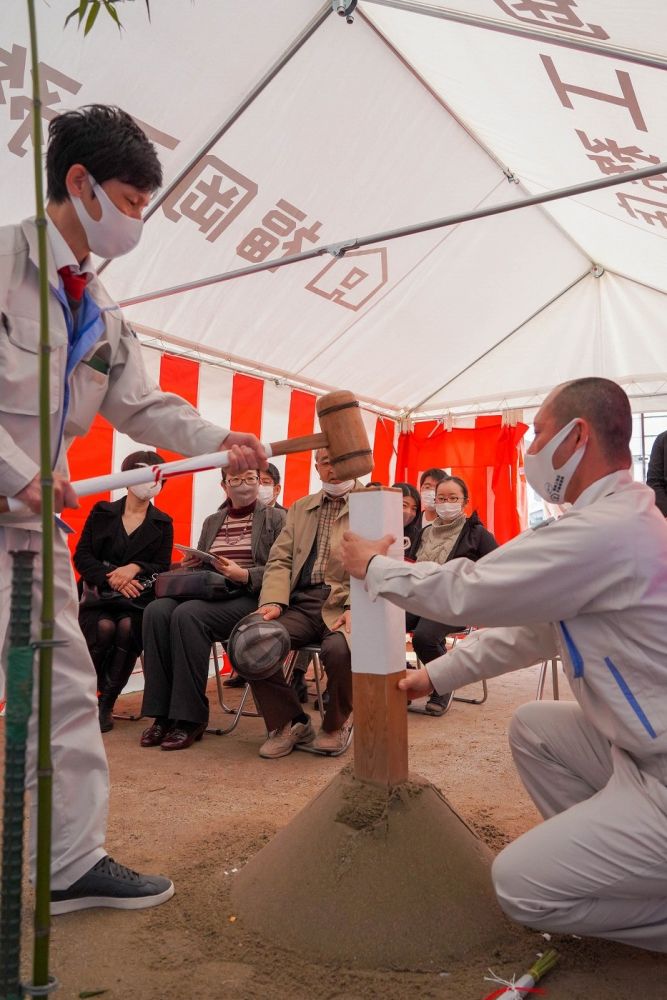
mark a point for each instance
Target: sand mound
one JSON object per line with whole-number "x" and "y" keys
{"x": 375, "y": 880}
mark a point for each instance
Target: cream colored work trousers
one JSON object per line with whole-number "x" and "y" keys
{"x": 597, "y": 866}
{"x": 80, "y": 774}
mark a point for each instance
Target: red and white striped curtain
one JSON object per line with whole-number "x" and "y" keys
{"x": 243, "y": 402}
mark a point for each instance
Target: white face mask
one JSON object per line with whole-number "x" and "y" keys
{"x": 114, "y": 233}
{"x": 448, "y": 511}
{"x": 265, "y": 494}
{"x": 428, "y": 499}
{"x": 145, "y": 491}
{"x": 338, "y": 489}
{"x": 550, "y": 483}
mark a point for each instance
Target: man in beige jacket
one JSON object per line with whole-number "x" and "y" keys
{"x": 307, "y": 588}
{"x": 101, "y": 172}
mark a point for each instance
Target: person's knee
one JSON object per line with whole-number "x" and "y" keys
{"x": 336, "y": 652}
{"x": 524, "y": 724}
{"x": 157, "y": 614}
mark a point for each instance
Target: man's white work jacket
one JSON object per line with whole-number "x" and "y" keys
{"x": 109, "y": 379}
{"x": 591, "y": 586}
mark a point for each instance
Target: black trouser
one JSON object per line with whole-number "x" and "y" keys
{"x": 428, "y": 637}
{"x": 178, "y": 636}
{"x": 278, "y": 702}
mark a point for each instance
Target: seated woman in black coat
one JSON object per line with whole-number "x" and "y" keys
{"x": 451, "y": 536}
{"x": 122, "y": 545}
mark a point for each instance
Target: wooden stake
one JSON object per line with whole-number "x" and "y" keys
{"x": 378, "y": 653}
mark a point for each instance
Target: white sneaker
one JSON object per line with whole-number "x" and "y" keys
{"x": 282, "y": 741}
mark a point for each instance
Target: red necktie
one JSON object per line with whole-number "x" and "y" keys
{"x": 75, "y": 284}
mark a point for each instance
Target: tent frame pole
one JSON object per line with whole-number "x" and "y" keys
{"x": 523, "y": 31}
{"x": 249, "y": 99}
{"x": 341, "y": 248}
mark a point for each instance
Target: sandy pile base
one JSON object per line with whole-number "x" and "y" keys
{"x": 368, "y": 851}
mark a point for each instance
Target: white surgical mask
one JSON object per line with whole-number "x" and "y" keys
{"x": 448, "y": 511}
{"x": 428, "y": 499}
{"x": 408, "y": 517}
{"x": 550, "y": 483}
{"x": 265, "y": 493}
{"x": 338, "y": 489}
{"x": 145, "y": 491}
{"x": 114, "y": 233}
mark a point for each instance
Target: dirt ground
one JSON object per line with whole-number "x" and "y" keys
{"x": 199, "y": 815}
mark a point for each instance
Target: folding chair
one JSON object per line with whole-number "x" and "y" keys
{"x": 419, "y": 707}
{"x": 237, "y": 712}
{"x": 543, "y": 676}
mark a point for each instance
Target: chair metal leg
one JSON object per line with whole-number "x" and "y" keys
{"x": 475, "y": 701}
{"x": 236, "y": 712}
{"x": 317, "y": 670}
{"x": 543, "y": 676}
{"x": 540, "y": 681}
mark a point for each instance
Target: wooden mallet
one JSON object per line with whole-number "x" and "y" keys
{"x": 343, "y": 435}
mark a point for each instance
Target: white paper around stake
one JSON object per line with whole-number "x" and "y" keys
{"x": 378, "y": 628}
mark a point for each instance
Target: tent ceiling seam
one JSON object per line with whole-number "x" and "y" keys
{"x": 438, "y": 98}
{"x": 503, "y": 339}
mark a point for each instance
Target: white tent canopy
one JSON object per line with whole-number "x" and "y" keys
{"x": 298, "y": 130}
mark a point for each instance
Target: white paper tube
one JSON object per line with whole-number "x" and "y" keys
{"x": 154, "y": 473}
{"x": 378, "y": 628}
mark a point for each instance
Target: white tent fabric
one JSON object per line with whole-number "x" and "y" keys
{"x": 402, "y": 117}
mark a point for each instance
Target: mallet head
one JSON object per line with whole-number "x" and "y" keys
{"x": 347, "y": 442}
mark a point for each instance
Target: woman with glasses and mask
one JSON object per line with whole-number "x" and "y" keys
{"x": 178, "y": 633}
{"x": 452, "y": 535}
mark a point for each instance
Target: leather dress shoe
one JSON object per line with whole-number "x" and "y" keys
{"x": 155, "y": 734}
{"x": 235, "y": 682}
{"x": 180, "y": 738}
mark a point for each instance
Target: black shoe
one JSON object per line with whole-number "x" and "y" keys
{"x": 438, "y": 704}
{"x": 234, "y": 682}
{"x": 104, "y": 712}
{"x": 110, "y": 884}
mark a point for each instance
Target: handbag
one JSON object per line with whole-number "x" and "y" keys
{"x": 93, "y": 596}
{"x": 196, "y": 584}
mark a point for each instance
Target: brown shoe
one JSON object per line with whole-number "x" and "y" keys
{"x": 281, "y": 742}
{"x": 155, "y": 734}
{"x": 334, "y": 742}
{"x": 183, "y": 736}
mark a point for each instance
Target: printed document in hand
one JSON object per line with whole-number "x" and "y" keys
{"x": 196, "y": 553}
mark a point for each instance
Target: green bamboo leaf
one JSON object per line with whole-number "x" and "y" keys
{"x": 84, "y": 994}
{"x": 148, "y": 9}
{"x": 77, "y": 12}
{"x": 111, "y": 10}
{"x": 94, "y": 11}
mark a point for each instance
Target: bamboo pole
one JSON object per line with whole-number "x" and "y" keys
{"x": 44, "y": 771}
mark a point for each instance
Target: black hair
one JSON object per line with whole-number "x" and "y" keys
{"x": 408, "y": 490}
{"x": 373, "y": 484}
{"x": 460, "y": 482}
{"x": 605, "y": 406}
{"x": 139, "y": 458}
{"x": 107, "y": 142}
{"x": 437, "y": 474}
{"x": 271, "y": 470}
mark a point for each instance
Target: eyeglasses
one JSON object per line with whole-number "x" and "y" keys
{"x": 452, "y": 498}
{"x": 250, "y": 480}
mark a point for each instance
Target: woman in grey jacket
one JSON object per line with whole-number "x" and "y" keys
{"x": 178, "y": 634}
